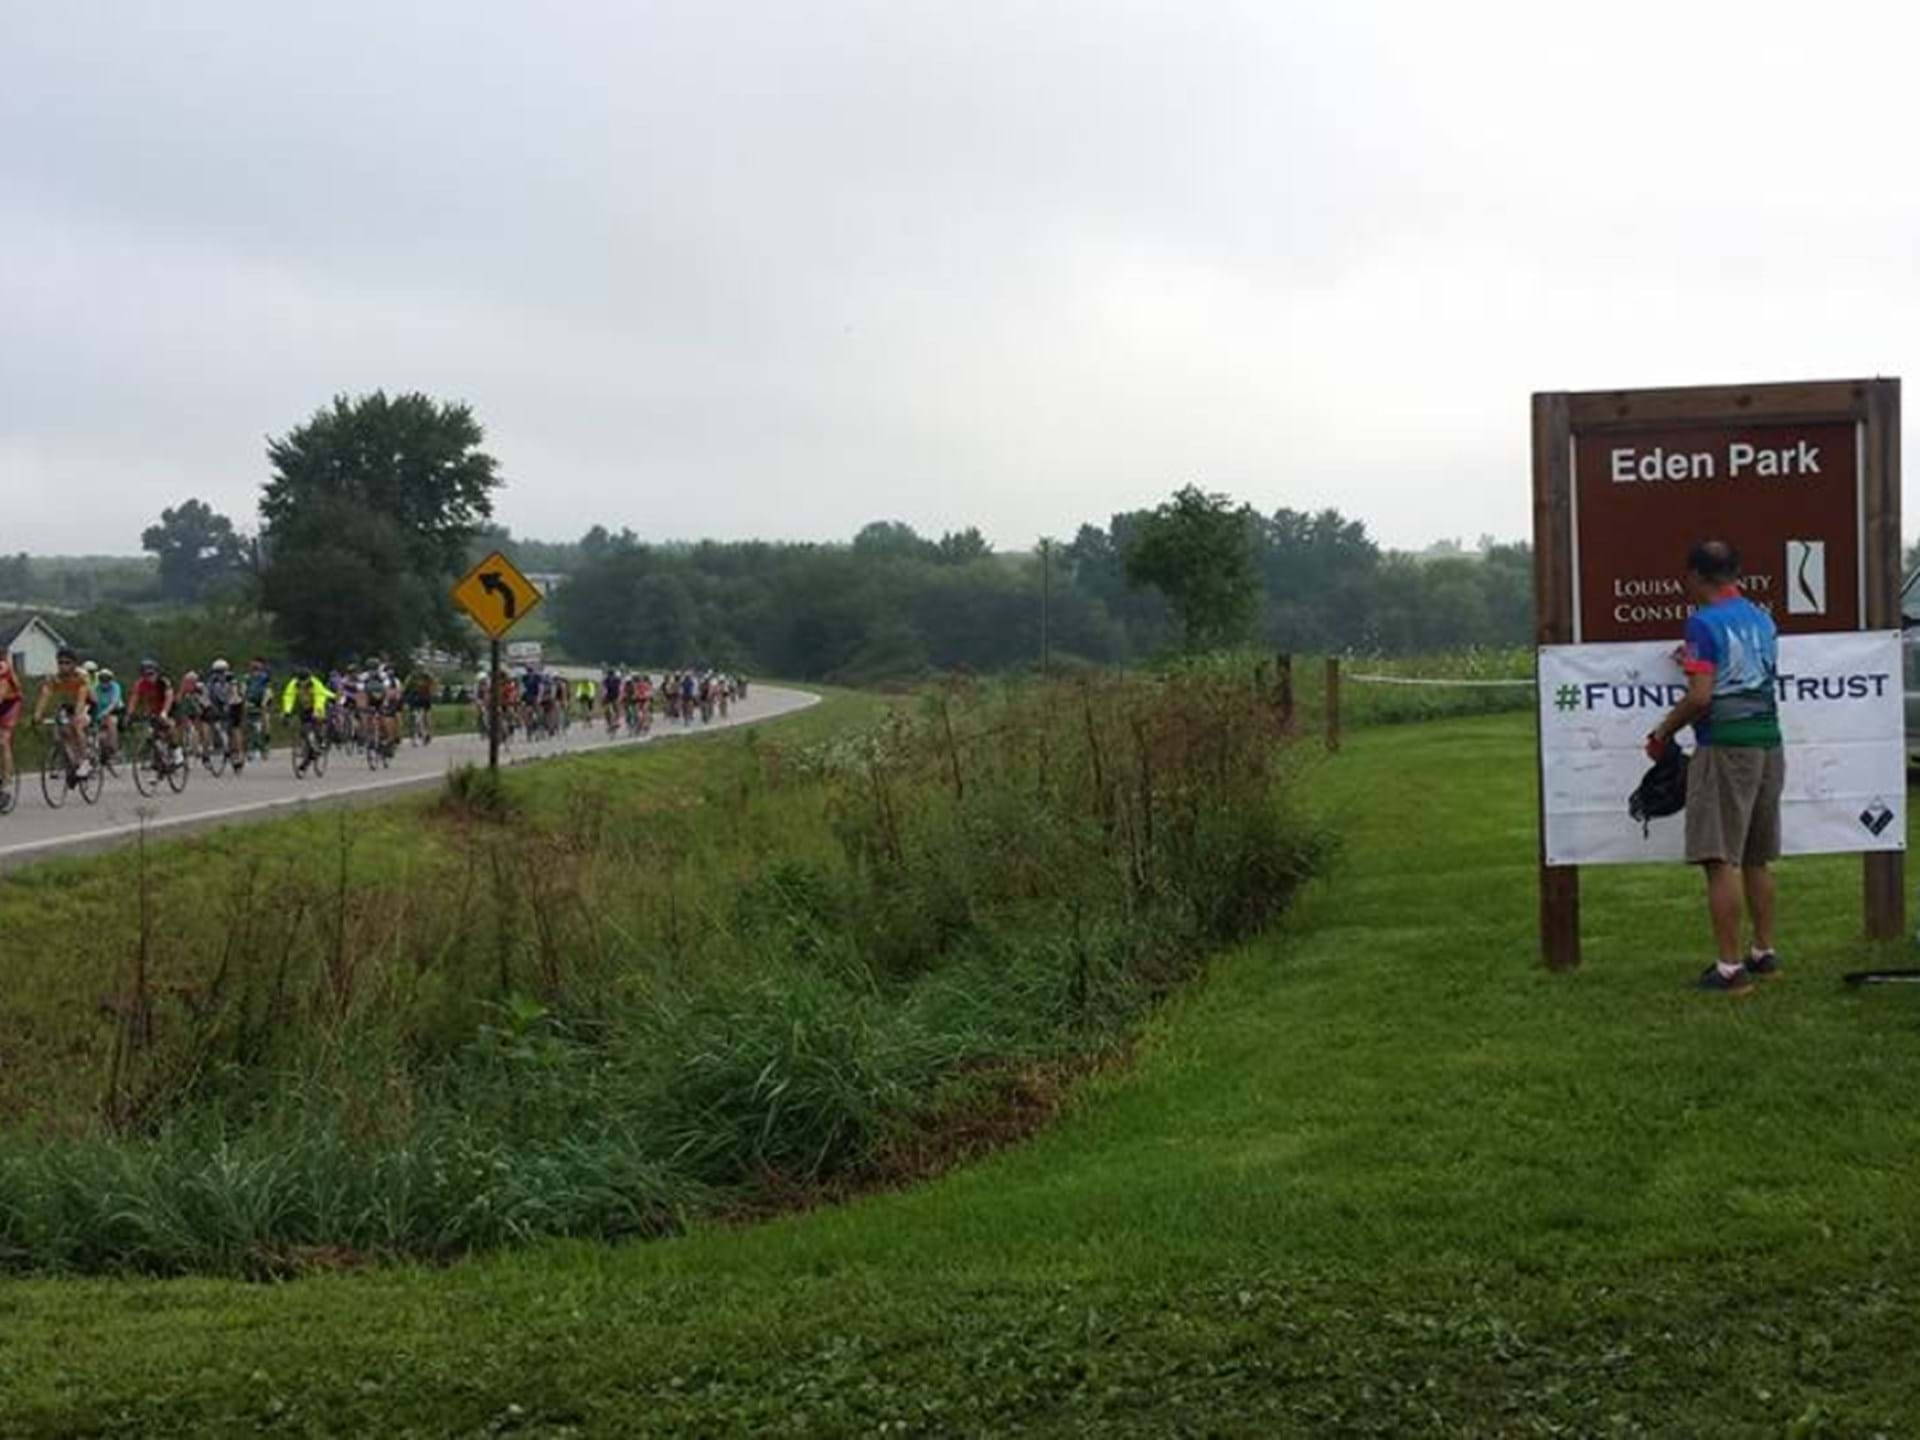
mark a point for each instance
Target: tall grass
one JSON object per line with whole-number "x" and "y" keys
{"x": 568, "y": 1013}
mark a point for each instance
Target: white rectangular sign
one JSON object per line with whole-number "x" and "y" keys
{"x": 1841, "y": 716}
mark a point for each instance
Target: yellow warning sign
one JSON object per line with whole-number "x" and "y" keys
{"x": 496, "y": 595}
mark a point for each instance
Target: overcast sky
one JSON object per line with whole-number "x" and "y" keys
{"x": 778, "y": 269}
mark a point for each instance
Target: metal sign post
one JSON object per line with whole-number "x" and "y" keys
{"x": 498, "y": 597}
{"x": 1802, "y": 479}
{"x": 493, "y": 705}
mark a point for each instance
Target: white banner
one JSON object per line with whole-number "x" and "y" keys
{"x": 1841, "y": 715}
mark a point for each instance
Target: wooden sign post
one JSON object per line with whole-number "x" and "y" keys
{"x": 1802, "y": 479}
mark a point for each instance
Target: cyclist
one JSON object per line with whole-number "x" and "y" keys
{"x": 393, "y": 698}
{"x": 382, "y": 699}
{"x": 68, "y": 686}
{"x": 305, "y": 702}
{"x": 152, "y": 701}
{"x": 108, "y": 701}
{"x": 190, "y": 708}
{"x": 256, "y": 691}
{"x": 642, "y": 704}
{"x": 611, "y": 688}
{"x": 225, "y": 704}
{"x": 12, "y": 698}
{"x": 419, "y": 693}
{"x": 530, "y": 700}
{"x": 342, "y": 708}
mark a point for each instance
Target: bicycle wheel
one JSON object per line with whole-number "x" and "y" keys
{"x": 96, "y": 780}
{"x": 53, "y": 773}
{"x": 321, "y": 750}
{"x": 10, "y": 792}
{"x": 177, "y": 774}
{"x": 216, "y": 756}
{"x": 146, "y": 766}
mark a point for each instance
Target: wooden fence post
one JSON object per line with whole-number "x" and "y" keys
{"x": 1883, "y": 873}
{"x": 1333, "y": 703}
{"x": 1284, "y": 675}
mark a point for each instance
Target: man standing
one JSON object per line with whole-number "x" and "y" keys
{"x": 1734, "y": 780}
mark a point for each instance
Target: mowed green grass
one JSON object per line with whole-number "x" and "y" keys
{"x": 1382, "y": 1175}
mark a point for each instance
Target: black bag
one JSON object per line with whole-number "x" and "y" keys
{"x": 1662, "y": 790}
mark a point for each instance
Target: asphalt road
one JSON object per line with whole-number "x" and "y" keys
{"x": 34, "y": 831}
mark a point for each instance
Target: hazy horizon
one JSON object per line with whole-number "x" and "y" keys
{"x": 754, "y": 270}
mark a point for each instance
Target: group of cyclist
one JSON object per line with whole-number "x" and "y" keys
{"x": 536, "y": 703}
{"x": 222, "y": 718}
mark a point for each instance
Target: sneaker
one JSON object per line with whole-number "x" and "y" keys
{"x": 1764, "y": 967}
{"x": 1740, "y": 983}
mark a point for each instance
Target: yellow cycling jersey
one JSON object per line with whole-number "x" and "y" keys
{"x": 316, "y": 700}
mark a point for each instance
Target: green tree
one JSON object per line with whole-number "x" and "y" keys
{"x": 340, "y": 584}
{"x": 16, "y": 577}
{"x": 1197, "y": 550}
{"x": 197, "y": 549}
{"x": 962, "y": 547}
{"x": 389, "y": 493}
{"x": 893, "y": 539}
{"x": 1318, "y": 572}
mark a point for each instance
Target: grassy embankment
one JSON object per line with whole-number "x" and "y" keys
{"x": 1382, "y": 1175}
{"x": 558, "y": 1006}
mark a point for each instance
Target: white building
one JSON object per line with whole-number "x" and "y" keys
{"x": 32, "y": 646}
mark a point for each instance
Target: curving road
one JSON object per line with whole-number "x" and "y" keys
{"x": 36, "y": 832}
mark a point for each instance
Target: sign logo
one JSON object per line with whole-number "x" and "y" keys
{"x": 1876, "y": 817}
{"x": 496, "y": 595}
{"x": 1806, "y": 577}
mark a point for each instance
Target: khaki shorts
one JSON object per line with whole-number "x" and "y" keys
{"x": 1733, "y": 803}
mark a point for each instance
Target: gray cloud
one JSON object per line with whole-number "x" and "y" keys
{"x": 777, "y": 269}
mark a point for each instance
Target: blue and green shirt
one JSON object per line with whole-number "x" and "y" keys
{"x": 1734, "y": 640}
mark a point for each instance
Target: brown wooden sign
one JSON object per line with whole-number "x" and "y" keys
{"x": 1786, "y": 496}
{"x": 1804, "y": 479}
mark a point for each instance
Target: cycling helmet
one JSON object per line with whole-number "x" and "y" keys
{"x": 147, "y": 667}
{"x": 65, "y": 656}
{"x": 192, "y": 677}
{"x": 219, "y": 667}
{"x": 103, "y": 674}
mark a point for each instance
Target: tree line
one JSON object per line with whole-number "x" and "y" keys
{"x": 373, "y": 505}
{"x": 1196, "y": 573}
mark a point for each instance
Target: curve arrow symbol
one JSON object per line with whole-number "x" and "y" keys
{"x": 491, "y": 580}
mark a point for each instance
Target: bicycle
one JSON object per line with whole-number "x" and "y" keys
{"x": 160, "y": 762}
{"x": 59, "y": 774}
{"x": 215, "y": 743}
{"x": 258, "y": 741}
{"x": 309, "y": 750}
{"x": 108, "y": 755}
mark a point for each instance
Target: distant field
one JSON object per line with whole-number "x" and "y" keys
{"x": 1381, "y": 1175}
